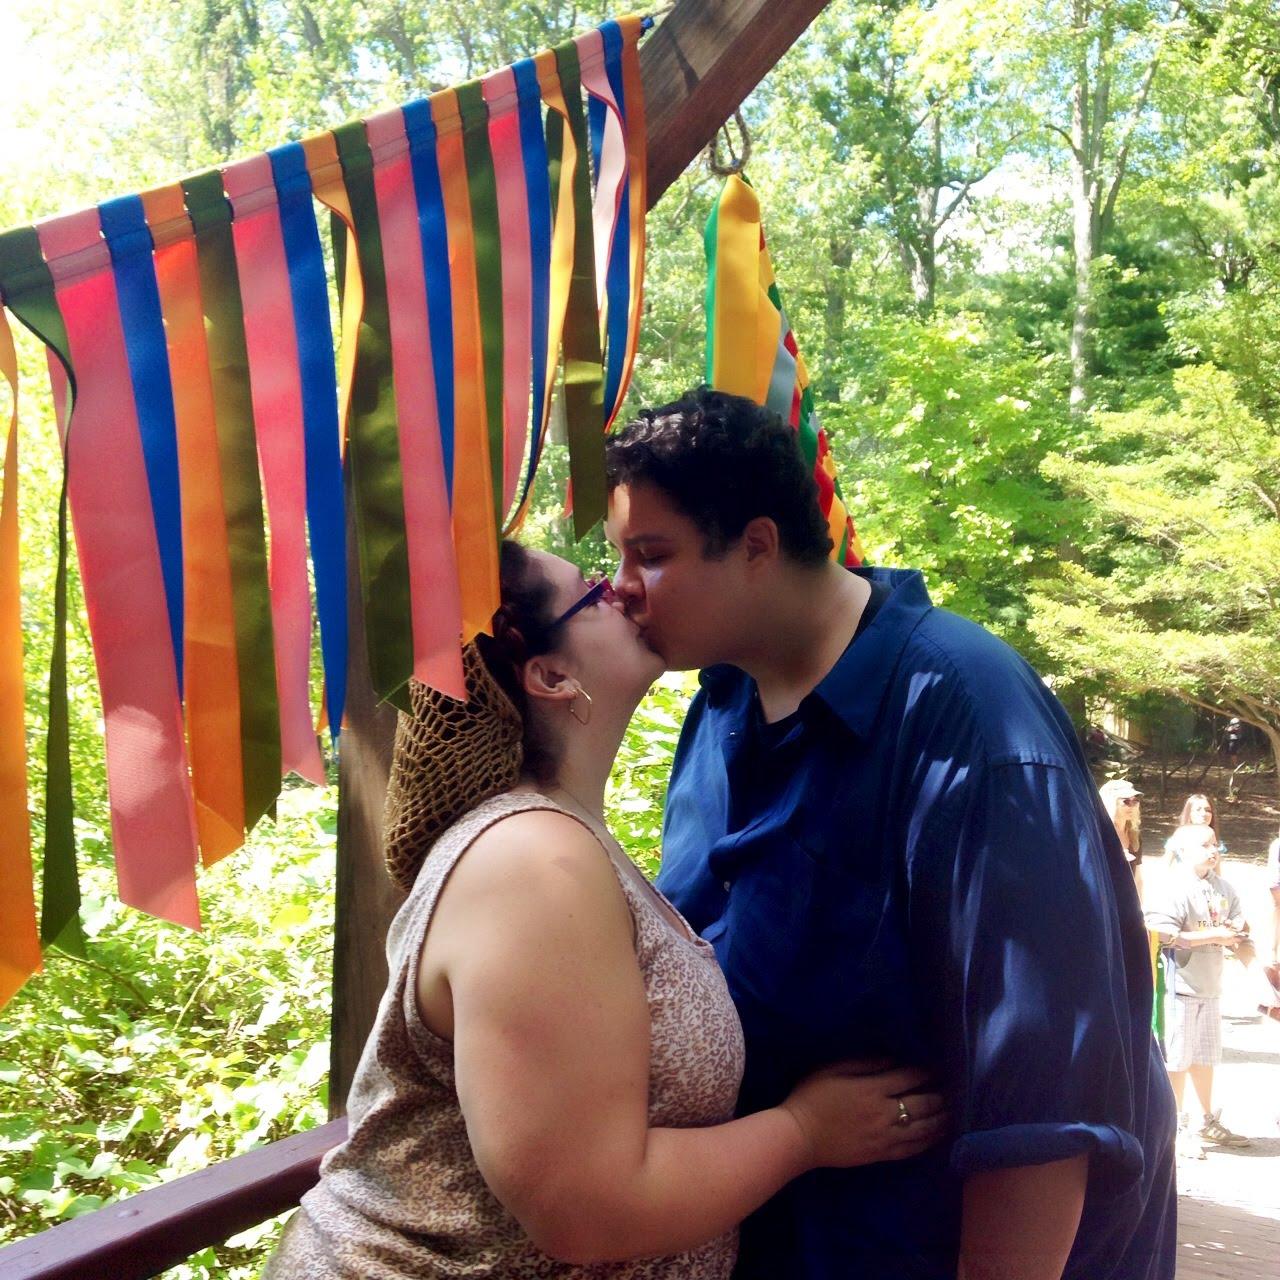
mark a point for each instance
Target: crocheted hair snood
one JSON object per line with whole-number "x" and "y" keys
{"x": 449, "y": 757}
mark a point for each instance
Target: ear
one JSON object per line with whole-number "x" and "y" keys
{"x": 547, "y": 678}
{"x": 760, "y": 540}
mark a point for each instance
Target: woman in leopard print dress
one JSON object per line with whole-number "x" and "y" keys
{"x": 549, "y": 1087}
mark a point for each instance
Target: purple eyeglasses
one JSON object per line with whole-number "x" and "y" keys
{"x": 601, "y": 589}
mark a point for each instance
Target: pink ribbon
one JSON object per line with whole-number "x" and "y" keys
{"x": 435, "y": 603}
{"x": 499, "y": 92}
{"x": 611, "y": 179}
{"x": 276, "y": 388}
{"x": 152, "y": 813}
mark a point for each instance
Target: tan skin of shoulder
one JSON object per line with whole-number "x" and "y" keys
{"x": 529, "y": 967}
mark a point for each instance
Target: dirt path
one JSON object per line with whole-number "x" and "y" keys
{"x": 1229, "y": 1202}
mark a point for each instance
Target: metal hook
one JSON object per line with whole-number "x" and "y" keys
{"x": 737, "y": 161}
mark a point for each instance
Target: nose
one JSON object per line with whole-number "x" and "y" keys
{"x": 627, "y": 586}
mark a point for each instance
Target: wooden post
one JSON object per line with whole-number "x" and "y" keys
{"x": 697, "y": 67}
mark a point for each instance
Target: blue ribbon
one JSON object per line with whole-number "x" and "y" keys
{"x": 421, "y": 132}
{"x": 124, "y": 227}
{"x": 618, "y": 271}
{"x": 326, "y": 514}
{"x": 533, "y": 146}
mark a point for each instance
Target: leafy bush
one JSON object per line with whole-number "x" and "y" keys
{"x": 168, "y": 1050}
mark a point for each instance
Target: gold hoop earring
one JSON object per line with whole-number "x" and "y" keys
{"x": 574, "y": 704}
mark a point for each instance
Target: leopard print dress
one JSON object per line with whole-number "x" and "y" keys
{"x": 402, "y": 1198}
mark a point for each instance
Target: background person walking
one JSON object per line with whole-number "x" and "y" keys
{"x": 1197, "y": 913}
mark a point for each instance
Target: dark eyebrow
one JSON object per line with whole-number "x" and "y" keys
{"x": 646, "y": 537}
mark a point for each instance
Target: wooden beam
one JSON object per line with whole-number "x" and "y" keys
{"x": 699, "y": 64}
{"x": 366, "y": 900}
{"x": 163, "y": 1226}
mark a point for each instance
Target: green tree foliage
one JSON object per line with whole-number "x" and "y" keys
{"x": 1181, "y": 591}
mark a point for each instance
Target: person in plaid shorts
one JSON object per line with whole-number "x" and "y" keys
{"x": 1197, "y": 913}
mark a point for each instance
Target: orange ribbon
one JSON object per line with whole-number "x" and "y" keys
{"x": 475, "y": 534}
{"x": 19, "y": 935}
{"x": 210, "y": 673}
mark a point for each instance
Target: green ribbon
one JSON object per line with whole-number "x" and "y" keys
{"x": 482, "y": 185}
{"x": 711, "y": 243}
{"x": 583, "y": 372}
{"x": 210, "y": 213}
{"x": 373, "y": 448}
{"x": 27, "y": 287}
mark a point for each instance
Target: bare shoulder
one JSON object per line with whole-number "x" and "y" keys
{"x": 539, "y": 856}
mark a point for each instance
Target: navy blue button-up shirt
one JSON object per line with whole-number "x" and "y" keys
{"x": 918, "y": 867}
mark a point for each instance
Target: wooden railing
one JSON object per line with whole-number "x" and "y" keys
{"x": 156, "y": 1229}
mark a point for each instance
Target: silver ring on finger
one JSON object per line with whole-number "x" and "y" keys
{"x": 904, "y": 1116}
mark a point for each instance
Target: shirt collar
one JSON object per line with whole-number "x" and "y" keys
{"x": 854, "y": 688}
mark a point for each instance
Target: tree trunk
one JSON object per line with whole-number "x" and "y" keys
{"x": 924, "y": 270}
{"x": 924, "y": 278}
{"x": 833, "y": 344}
{"x": 1273, "y": 737}
{"x": 1084, "y": 204}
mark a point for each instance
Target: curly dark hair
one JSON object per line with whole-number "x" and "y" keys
{"x": 523, "y": 627}
{"x": 723, "y": 460}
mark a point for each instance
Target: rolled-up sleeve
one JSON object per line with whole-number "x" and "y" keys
{"x": 1022, "y": 910}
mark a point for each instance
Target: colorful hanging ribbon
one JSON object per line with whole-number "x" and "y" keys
{"x": 29, "y": 294}
{"x": 475, "y": 538}
{"x": 211, "y": 673}
{"x": 583, "y": 377}
{"x": 276, "y": 389}
{"x": 210, "y": 214}
{"x": 19, "y": 936}
{"x": 152, "y": 816}
{"x": 537, "y": 181}
{"x": 326, "y": 520}
{"x": 484, "y": 240}
{"x": 752, "y": 352}
{"x": 511, "y": 194}
{"x": 124, "y": 228}
{"x": 434, "y": 602}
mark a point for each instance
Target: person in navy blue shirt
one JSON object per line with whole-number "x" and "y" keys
{"x": 881, "y": 818}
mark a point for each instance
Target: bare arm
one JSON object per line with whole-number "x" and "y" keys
{"x": 1020, "y": 1223}
{"x": 531, "y": 961}
{"x": 1189, "y": 939}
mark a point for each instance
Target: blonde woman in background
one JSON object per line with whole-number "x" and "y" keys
{"x": 1123, "y": 802}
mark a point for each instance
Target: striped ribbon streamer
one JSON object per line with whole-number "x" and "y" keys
{"x": 325, "y": 169}
{"x": 516, "y": 255}
{"x": 751, "y": 350}
{"x": 19, "y": 936}
{"x": 29, "y": 294}
{"x": 326, "y": 518}
{"x": 377, "y": 480}
{"x": 482, "y": 190}
{"x": 420, "y": 129}
{"x": 124, "y": 228}
{"x": 275, "y": 384}
{"x": 631, "y": 95}
{"x": 210, "y": 214}
{"x": 533, "y": 143}
{"x": 152, "y": 814}
{"x": 475, "y": 537}
{"x": 600, "y": 54}
{"x": 583, "y": 376}
{"x": 211, "y": 674}
{"x": 435, "y": 605}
